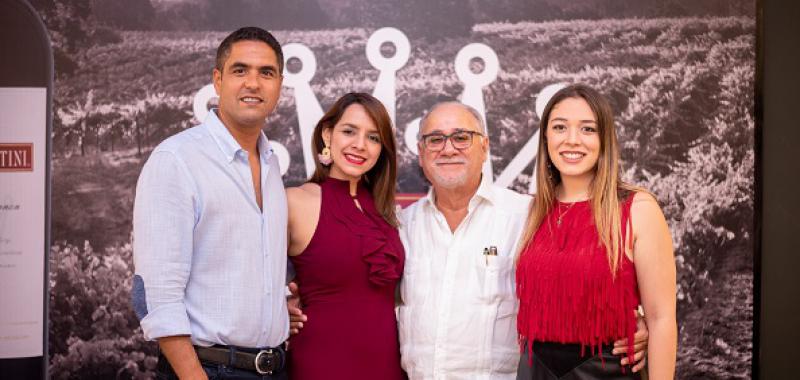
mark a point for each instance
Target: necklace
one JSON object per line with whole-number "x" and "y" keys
{"x": 561, "y": 214}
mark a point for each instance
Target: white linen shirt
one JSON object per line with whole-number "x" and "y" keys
{"x": 458, "y": 315}
{"x": 209, "y": 263}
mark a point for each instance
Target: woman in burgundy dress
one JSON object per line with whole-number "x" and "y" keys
{"x": 594, "y": 248}
{"x": 345, "y": 247}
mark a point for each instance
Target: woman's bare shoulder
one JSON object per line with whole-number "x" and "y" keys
{"x": 645, "y": 210}
{"x": 643, "y": 199}
{"x": 304, "y": 192}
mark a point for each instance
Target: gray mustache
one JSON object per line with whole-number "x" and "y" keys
{"x": 459, "y": 161}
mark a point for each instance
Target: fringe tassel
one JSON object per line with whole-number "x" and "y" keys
{"x": 567, "y": 292}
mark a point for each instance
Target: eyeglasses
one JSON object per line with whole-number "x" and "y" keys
{"x": 461, "y": 140}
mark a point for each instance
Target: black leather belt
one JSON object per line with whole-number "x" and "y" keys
{"x": 267, "y": 361}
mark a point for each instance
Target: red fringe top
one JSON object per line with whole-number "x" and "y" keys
{"x": 564, "y": 283}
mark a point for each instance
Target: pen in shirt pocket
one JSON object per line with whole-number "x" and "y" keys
{"x": 489, "y": 251}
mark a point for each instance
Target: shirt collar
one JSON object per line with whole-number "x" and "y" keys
{"x": 485, "y": 191}
{"x": 227, "y": 144}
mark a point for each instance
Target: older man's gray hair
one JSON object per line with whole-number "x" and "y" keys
{"x": 470, "y": 109}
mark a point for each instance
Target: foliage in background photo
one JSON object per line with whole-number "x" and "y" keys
{"x": 94, "y": 333}
{"x": 682, "y": 88}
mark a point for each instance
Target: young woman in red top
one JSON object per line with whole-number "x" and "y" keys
{"x": 593, "y": 250}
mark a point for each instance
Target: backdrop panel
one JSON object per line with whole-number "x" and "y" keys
{"x": 680, "y": 75}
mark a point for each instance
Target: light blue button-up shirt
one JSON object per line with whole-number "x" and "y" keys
{"x": 209, "y": 263}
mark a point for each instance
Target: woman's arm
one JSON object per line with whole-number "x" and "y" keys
{"x": 304, "y": 203}
{"x": 655, "y": 269}
{"x": 304, "y": 206}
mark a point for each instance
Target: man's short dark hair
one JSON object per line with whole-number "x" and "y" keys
{"x": 248, "y": 33}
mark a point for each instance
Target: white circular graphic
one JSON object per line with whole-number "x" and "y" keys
{"x": 401, "y": 46}
{"x": 307, "y": 59}
{"x": 410, "y": 136}
{"x": 490, "y": 61}
{"x": 201, "y": 99}
{"x": 283, "y": 156}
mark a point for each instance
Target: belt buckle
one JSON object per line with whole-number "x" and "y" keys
{"x": 269, "y": 358}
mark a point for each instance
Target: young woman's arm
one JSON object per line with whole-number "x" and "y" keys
{"x": 304, "y": 204}
{"x": 655, "y": 269}
{"x": 304, "y": 207}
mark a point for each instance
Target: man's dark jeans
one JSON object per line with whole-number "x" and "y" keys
{"x": 216, "y": 372}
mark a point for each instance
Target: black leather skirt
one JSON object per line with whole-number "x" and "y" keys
{"x": 553, "y": 361}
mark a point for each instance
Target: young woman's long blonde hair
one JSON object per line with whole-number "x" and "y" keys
{"x": 607, "y": 187}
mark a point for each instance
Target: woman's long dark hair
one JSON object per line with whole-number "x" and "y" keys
{"x": 382, "y": 178}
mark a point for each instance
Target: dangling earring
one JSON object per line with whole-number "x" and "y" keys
{"x": 325, "y": 157}
{"x": 549, "y": 165}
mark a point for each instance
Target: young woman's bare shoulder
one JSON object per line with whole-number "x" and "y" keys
{"x": 644, "y": 200}
{"x": 645, "y": 208}
{"x": 302, "y": 193}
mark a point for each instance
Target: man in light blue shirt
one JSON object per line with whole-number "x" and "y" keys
{"x": 210, "y": 229}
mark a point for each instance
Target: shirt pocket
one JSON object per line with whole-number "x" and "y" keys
{"x": 414, "y": 286}
{"x": 495, "y": 278}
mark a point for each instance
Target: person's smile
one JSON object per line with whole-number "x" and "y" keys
{"x": 251, "y": 100}
{"x": 354, "y": 158}
{"x": 572, "y": 156}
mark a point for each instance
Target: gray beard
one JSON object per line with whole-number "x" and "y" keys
{"x": 449, "y": 182}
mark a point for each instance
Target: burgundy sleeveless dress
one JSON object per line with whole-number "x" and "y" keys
{"x": 347, "y": 277}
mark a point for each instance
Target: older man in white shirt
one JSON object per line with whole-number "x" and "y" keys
{"x": 458, "y": 315}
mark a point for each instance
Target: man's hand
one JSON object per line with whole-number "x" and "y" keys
{"x": 296, "y": 316}
{"x": 639, "y": 345}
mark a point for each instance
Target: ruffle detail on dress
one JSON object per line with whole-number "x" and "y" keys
{"x": 383, "y": 256}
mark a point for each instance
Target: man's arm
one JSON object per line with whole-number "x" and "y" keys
{"x": 181, "y": 356}
{"x": 163, "y": 225}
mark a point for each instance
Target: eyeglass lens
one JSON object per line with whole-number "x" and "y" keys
{"x": 460, "y": 140}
